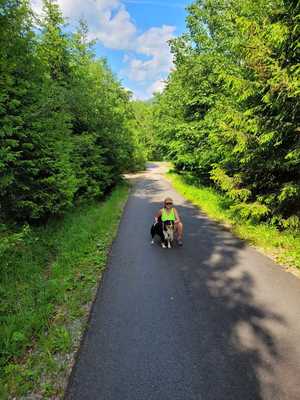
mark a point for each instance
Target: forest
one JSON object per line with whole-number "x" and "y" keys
{"x": 229, "y": 114}
{"x": 227, "y": 119}
{"x": 67, "y": 134}
{"x": 65, "y": 131}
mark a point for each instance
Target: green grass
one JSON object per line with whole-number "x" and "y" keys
{"x": 284, "y": 247}
{"x": 47, "y": 284}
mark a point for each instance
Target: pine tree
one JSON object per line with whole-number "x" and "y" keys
{"x": 230, "y": 111}
{"x": 35, "y": 167}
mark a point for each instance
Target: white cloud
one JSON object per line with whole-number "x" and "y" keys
{"x": 78, "y": 8}
{"x": 154, "y": 3}
{"x": 111, "y": 24}
{"x": 156, "y": 87}
{"x": 108, "y": 20}
{"x": 116, "y": 31}
{"x": 154, "y": 44}
{"x": 153, "y": 41}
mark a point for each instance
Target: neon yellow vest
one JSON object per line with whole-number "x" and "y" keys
{"x": 168, "y": 216}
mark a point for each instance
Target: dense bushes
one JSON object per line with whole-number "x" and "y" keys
{"x": 64, "y": 129}
{"x": 230, "y": 111}
{"x": 142, "y": 126}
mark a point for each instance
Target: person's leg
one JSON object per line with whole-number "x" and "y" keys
{"x": 179, "y": 230}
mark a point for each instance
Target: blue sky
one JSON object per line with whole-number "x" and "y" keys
{"x": 132, "y": 35}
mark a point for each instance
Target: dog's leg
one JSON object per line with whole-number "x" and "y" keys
{"x": 163, "y": 245}
{"x": 169, "y": 244}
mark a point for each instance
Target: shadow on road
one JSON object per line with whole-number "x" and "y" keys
{"x": 188, "y": 323}
{"x": 236, "y": 350}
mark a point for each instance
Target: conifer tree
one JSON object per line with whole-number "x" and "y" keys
{"x": 230, "y": 111}
{"x": 35, "y": 169}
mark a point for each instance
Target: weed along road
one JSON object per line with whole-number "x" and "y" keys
{"x": 212, "y": 320}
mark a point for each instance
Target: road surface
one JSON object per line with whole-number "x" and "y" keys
{"x": 213, "y": 320}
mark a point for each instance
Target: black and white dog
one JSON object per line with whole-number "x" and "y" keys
{"x": 168, "y": 231}
{"x": 165, "y": 230}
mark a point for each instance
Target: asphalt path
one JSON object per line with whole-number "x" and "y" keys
{"x": 212, "y": 320}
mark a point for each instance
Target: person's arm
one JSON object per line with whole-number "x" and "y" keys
{"x": 176, "y": 215}
{"x": 157, "y": 215}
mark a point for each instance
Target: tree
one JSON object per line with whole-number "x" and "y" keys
{"x": 64, "y": 127}
{"x": 229, "y": 112}
{"x": 35, "y": 169}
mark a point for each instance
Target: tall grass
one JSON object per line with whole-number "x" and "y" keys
{"x": 283, "y": 246}
{"x": 47, "y": 280}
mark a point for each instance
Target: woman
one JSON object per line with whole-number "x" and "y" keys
{"x": 169, "y": 213}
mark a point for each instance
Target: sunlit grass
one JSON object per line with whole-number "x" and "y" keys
{"x": 46, "y": 283}
{"x": 284, "y": 247}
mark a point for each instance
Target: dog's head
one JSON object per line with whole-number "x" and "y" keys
{"x": 169, "y": 229}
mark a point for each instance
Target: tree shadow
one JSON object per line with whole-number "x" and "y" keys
{"x": 236, "y": 349}
{"x": 181, "y": 324}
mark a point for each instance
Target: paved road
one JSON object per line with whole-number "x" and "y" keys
{"x": 214, "y": 320}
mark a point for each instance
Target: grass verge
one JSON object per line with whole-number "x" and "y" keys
{"x": 48, "y": 282}
{"x": 283, "y": 247}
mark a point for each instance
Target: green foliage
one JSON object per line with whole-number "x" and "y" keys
{"x": 47, "y": 279}
{"x": 64, "y": 130}
{"x": 65, "y": 135}
{"x": 231, "y": 185}
{"x": 250, "y": 211}
{"x": 230, "y": 110}
{"x": 143, "y": 130}
{"x": 34, "y": 171}
{"x": 11, "y": 240}
{"x": 284, "y": 246}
